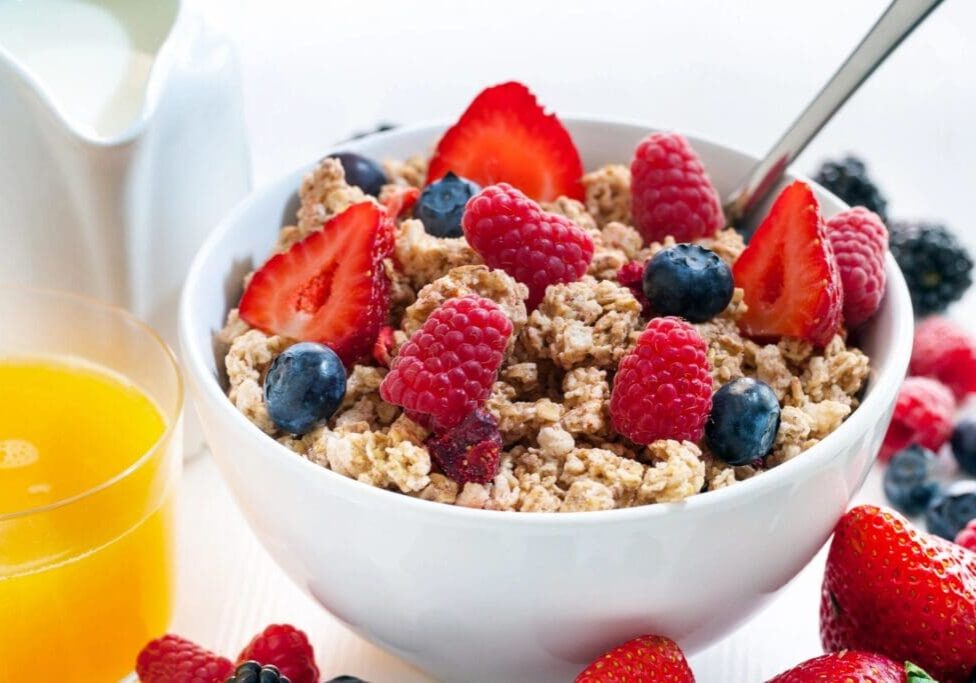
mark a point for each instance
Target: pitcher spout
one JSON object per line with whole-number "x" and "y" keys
{"x": 95, "y": 66}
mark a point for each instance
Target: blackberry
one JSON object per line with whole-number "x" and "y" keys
{"x": 252, "y": 672}
{"x": 380, "y": 128}
{"x": 848, "y": 179}
{"x": 345, "y": 679}
{"x": 937, "y": 268}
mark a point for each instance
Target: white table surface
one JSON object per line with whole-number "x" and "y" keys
{"x": 735, "y": 72}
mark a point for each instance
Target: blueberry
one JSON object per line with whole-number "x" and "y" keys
{"x": 964, "y": 445}
{"x": 689, "y": 281}
{"x": 345, "y": 679}
{"x": 951, "y": 510}
{"x": 362, "y": 172}
{"x": 742, "y": 425}
{"x": 441, "y": 205}
{"x": 908, "y": 482}
{"x": 305, "y": 384}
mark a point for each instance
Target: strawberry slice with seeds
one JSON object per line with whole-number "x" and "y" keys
{"x": 329, "y": 288}
{"x": 506, "y": 136}
{"x": 789, "y": 273}
{"x": 399, "y": 201}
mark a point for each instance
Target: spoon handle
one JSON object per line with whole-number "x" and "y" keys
{"x": 899, "y": 20}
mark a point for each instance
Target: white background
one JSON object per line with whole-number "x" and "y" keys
{"x": 737, "y": 72}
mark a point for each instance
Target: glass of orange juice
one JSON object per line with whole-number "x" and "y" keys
{"x": 90, "y": 453}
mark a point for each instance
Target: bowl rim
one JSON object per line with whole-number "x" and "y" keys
{"x": 885, "y": 382}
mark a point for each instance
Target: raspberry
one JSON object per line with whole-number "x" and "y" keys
{"x": 663, "y": 388}
{"x": 967, "y": 537}
{"x": 285, "y": 647}
{"x": 860, "y": 242}
{"x": 511, "y": 232}
{"x": 470, "y": 451}
{"x": 447, "y": 368}
{"x": 670, "y": 192}
{"x": 172, "y": 659}
{"x": 631, "y": 276}
{"x": 923, "y": 415}
{"x": 945, "y": 351}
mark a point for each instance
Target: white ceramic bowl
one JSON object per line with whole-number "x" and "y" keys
{"x": 474, "y": 595}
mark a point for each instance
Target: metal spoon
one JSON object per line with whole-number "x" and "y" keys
{"x": 899, "y": 20}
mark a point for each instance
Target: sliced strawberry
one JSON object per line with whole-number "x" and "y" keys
{"x": 505, "y": 136}
{"x": 400, "y": 201}
{"x": 330, "y": 287}
{"x": 383, "y": 347}
{"x": 789, "y": 273}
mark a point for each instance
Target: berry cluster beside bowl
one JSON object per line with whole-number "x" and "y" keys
{"x": 930, "y": 447}
{"x": 490, "y": 326}
{"x": 280, "y": 653}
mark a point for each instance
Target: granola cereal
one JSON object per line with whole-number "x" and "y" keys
{"x": 585, "y": 322}
{"x": 411, "y": 172}
{"x": 551, "y": 398}
{"x": 608, "y": 194}
{"x": 496, "y": 285}
{"x": 323, "y": 194}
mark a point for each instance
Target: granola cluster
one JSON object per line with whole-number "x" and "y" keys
{"x": 552, "y": 395}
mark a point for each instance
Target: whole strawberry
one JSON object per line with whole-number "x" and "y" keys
{"x": 947, "y": 352}
{"x": 511, "y": 232}
{"x": 286, "y": 648}
{"x": 891, "y": 589}
{"x": 670, "y": 192}
{"x": 857, "y": 667}
{"x": 663, "y": 388}
{"x": 647, "y": 659}
{"x": 923, "y": 415}
{"x": 172, "y": 659}
{"x": 860, "y": 241}
{"x": 447, "y": 368}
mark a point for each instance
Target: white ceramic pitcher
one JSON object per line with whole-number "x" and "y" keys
{"x": 122, "y": 143}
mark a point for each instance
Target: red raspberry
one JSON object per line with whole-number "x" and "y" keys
{"x": 447, "y": 367}
{"x": 663, "y": 388}
{"x": 967, "y": 537}
{"x": 470, "y": 451}
{"x": 670, "y": 192}
{"x": 860, "y": 242}
{"x": 172, "y": 659}
{"x": 923, "y": 414}
{"x": 285, "y": 647}
{"x": 511, "y": 232}
{"x": 945, "y": 351}
{"x": 631, "y": 276}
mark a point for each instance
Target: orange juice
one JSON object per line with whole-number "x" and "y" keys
{"x": 86, "y": 515}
